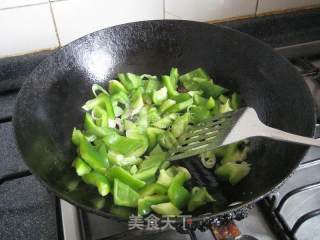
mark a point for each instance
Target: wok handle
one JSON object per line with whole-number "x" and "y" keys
{"x": 289, "y": 137}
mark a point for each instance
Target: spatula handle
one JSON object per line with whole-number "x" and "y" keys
{"x": 289, "y": 137}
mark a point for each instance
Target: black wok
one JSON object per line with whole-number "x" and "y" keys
{"x": 49, "y": 103}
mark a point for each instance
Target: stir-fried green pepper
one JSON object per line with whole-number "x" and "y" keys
{"x": 166, "y": 209}
{"x": 144, "y": 204}
{"x": 199, "y": 197}
{"x": 98, "y": 180}
{"x": 124, "y": 195}
{"x": 126, "y": 177}
{"x": 233, "y": 172}
{"x": 144, "y": 113}
{"x": 81, "y": 167}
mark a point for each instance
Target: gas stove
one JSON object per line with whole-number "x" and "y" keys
{"x": 29, "y": 211}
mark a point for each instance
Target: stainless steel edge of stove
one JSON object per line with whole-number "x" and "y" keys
{"x": 70, "y": 221}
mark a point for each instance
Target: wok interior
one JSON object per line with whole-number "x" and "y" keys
{"x": 49, "y": 105}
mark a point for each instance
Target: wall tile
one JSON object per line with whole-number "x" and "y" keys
{"x": 75, "y": 18}
{"x": 207, "y": 10}
{"x": 278, "y": 5}
{"x": 26, "y": 29}
{"x": 18, "y": 3}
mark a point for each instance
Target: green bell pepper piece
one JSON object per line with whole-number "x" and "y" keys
{"x": 199, "y": 100}
{"x": 159, "y": 96}
{"x": 81, "y": 166}
{"x": 171, "y": 87}
{"x": 152, "y": 134}
{"x": 120, "y": 160}
{"x": 199, "y": 197}
{"x": 187, "y": 79}
{"x": 233, "y": 172}
{"x": 91, "y": 127}
{"x": 164, "y": 178}
{"x": 125, "y": 176}
{"x": 133, "y": 169}
{"x": 130, "y": 81}
{"x": 152, "y": 189}
{"x": 98, "y": 180}
{"x": 199, "y": 114}
{"x": 136, "y": 102}
{"x": 153, "y": 161}
{"x": 91, "y": 156}
{"x": 178, "y": 107}
{"x": 165, "y": 122}
{"x": 166, "y": 104}
{"x": 210, "y": 89}
{"x": 211, "y": 103}
{"x": 174, "y": 77}
{"x": 115, "y": 86}
{"x": 225, "y": 107}
{"x": 152, "y": 85}
{"x": 179, "y": 195}
{"x": 166, "y": 209}
{"x": 136, "y": 134}
{"x": 124, "y": 195}
{"x": 144, "y": 204}
{"x": 156, "y": 150}
{"x": 167, "y": 140}
{"x": 165, "y": 165}
{"x": 180, "y": 125}
{"x": 101, "y": 116}
{"x": 223, "y": 99}
{"x": 182, "y": 97}
{"x": 76, "y": 136}
{"x": 146, "y": 174}
{"x": 153, "y": 115}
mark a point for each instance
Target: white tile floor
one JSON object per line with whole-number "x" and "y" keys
{"x": 32, "y": 25}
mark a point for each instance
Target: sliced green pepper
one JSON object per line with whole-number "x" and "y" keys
{"x": 164, "y": 178}
{"x": 167, "y": 140}
{"x": 180, "y": 125}
{"x": 166, "y": 209}
{"x": 199, "y": 114}
{"x": 182, "y": 97}
{"x": 159, "y": 96}
{"x": 144, "y": 204}
{"x": 233, "y": 172}
{"x": 152, "y": 134}
{"x": 211, "y": 103}
{"x": 187, "y": 79}
{"x": 171, "y": 87}
{"x": 152, "y": 85}
{"x": 174, "y": 77}
{"x": 179, "y": 195}
{"x": 130, "y": 81}
{"x": 125, "y": 176}
{"x": 81, "y": 167}
{"x": 92, "y": 157}
{"x": 199, "y": 197}
{"x": 116, "y": 86}
{"x": 225, "y": 107}
{"x": 124, "y": 195}
{"x": 166, "y": 104}
{"x": 179, "y": 106}
{"x": 152, "y": 189}
{"x": 76, "y": 136}
{"x": 123, "y": 145}
{"x": 153, "y": 115}
{"x": 166, "y": 121}
{"x": 98, "y": 180}
{"x": 135, "y": 134}
{"x": 120, "y": 160}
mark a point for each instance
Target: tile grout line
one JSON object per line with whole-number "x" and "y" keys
{"x": 256, "y": 10}
{"x": 55, "y": 25}
{"x": 23, "y": 6}
{"x": 164, "y": 9}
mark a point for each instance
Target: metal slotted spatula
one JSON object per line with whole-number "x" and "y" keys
{"x": 229, "y": 128}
